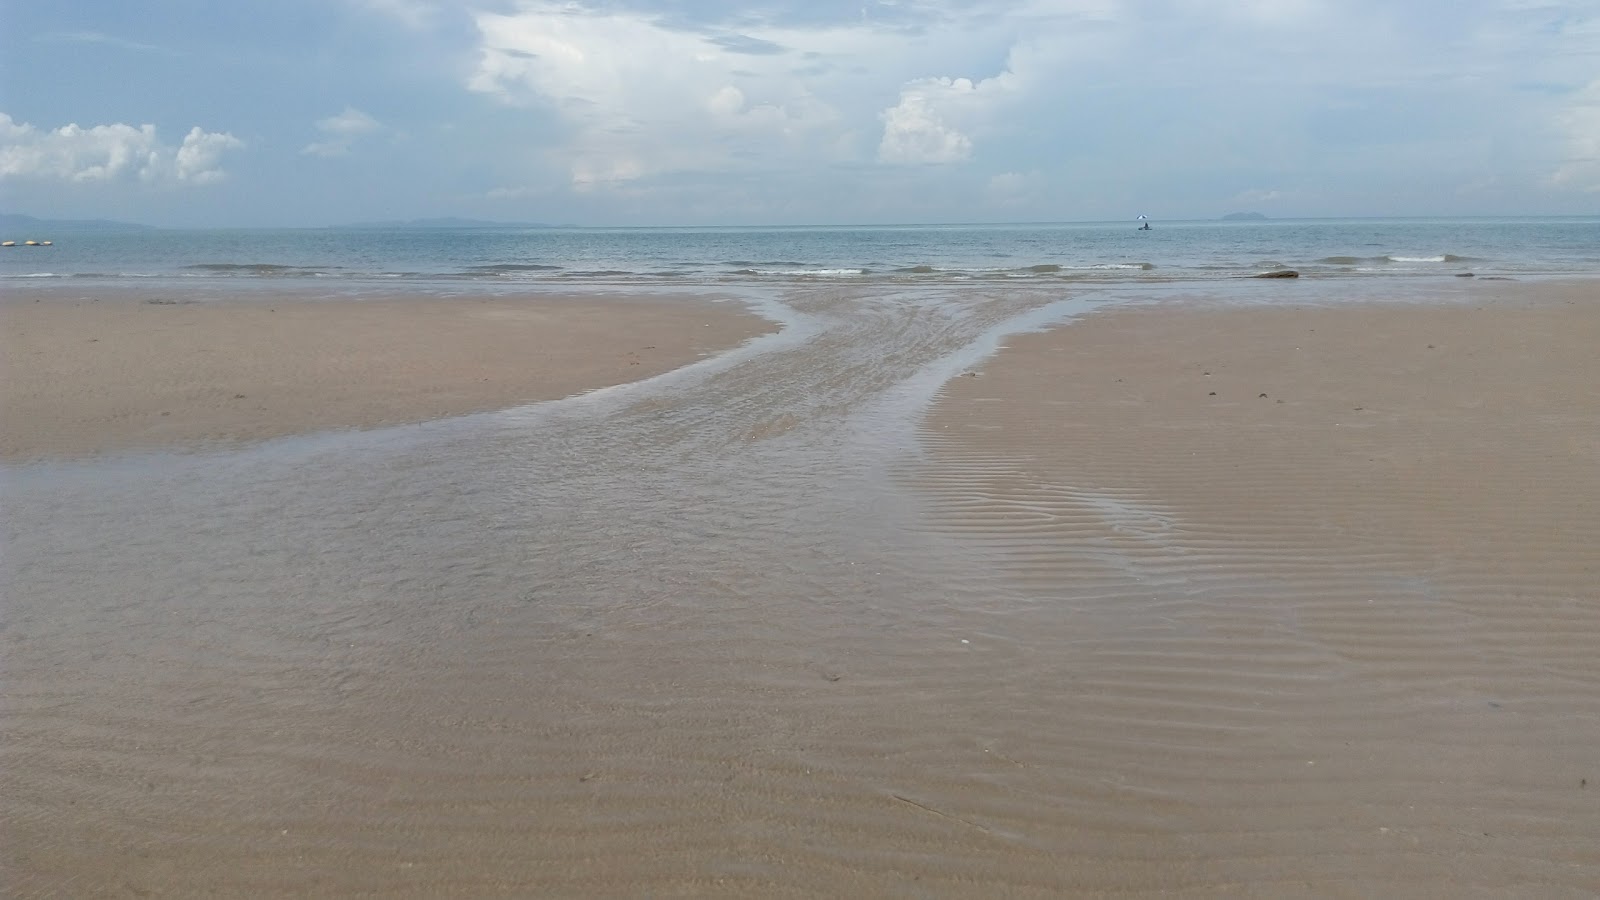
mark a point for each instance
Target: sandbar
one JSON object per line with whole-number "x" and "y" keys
{"x": 1314, "y": 588}
{"x": 121, "y": 370}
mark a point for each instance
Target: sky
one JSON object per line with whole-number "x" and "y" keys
{"x": 830, "y": 112}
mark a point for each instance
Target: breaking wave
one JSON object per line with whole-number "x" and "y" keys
{"x": 1389, "y": 258}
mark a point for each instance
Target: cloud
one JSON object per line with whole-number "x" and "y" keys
{"x": 110, "y": 153}
{"x": 637, "y": 98}
{"x": 1091, "y": 97}
{"x": 934, "y": 121}
{"x": 199, "y": 158}
{"x": 341, "y": 131}
{"x": 915, "y": 130}
{"x": 1580, "y": 122}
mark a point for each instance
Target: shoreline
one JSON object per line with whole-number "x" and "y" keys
{"x": 123, "y": 371}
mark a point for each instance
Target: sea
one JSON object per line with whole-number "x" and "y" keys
{"x": 490, "y": 258}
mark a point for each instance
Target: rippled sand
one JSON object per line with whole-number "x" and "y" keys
{"x": 855, "y": 610}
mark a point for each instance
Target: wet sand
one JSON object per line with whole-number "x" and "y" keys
{"x": 1323, "y": 581}
{"x": 777, "y": 628}
{"x": 122, "y": 370}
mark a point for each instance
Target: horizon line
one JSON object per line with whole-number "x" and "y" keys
{"x": 488, "y": 223}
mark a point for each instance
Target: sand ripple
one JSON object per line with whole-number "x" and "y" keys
{"x": 738, "y": 631}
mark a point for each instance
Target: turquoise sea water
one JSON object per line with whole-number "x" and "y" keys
{"x": 429, "y": 259}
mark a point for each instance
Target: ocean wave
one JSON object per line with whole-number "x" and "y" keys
{"x": 85, "y": 275}
{"x": 1441, "y": 258}
{"x": 1142, "y": 266}
{"x": 503, "y": 268}
{"x": 1032, "y": 271}
{"x": 1391, "y": 258}
{"x": 266, "y": 269}
{"x": 92, "y": 275}
{"x": 802, "y": 273}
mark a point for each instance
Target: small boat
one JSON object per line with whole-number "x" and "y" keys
{"x": 8, "y": 243}
{"x": 30, "y": 243}
{"x": 45, "y": 243}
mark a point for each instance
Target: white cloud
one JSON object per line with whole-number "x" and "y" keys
{"x": 638, "y": 98}
{"x": 628, "y": 98}
{"x": 1580, "y": 122}
{"x": 108, "y": 153}
{"x": 915, "y": 131}
{"x": 199, "y": 159}
{"x": 341, "y": 131}
{"x": 932, "y": 121}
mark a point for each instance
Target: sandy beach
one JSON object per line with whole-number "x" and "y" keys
{"x": 1094, "y": 617}
{"x": 1327, "y": 575}
{"x": 122, "y": 370}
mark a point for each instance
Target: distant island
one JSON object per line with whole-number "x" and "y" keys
{"x": 445, "y": 222}
{"x": 14, "y": 222}
{"x": 1244, "y": 217}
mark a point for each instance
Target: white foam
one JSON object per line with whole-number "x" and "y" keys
{"x": 802, "y": 272}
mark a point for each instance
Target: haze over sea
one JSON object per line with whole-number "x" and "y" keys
{"x": 492, "y": 258}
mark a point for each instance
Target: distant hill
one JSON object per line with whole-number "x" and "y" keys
{"x": 446, "y": 222}
{"x": 14, "y": 223}
{"x": 1244, "y": 217}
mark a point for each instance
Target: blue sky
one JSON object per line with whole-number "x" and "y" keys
{"x": 661, "y": 112}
